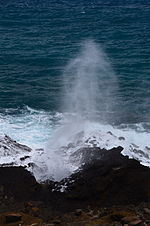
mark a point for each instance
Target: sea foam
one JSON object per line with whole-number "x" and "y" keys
{"x": 52, "y": 150}
{"x": 90, "y": 95}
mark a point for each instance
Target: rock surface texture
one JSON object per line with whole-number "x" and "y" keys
{"x": 109, "y": 190}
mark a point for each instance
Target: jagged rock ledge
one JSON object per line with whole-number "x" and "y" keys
{"x": 107, "y": 181}
{"x": 9, "y": 146}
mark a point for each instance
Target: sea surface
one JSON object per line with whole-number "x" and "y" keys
{"x": 70, "y": 67}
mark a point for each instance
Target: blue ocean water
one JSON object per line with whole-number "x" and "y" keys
{"x": 39, "y": 37}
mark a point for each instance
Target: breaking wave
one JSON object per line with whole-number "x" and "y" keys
{"x": 87, "y": 120}
{"x": 61, "y": 136}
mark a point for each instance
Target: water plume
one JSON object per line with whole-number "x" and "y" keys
{"x": 90, "y": 84}
{"x": 89, "y": 90}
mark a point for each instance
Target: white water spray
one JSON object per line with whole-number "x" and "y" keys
{"x": 90, "y": 84}
{"x": 89, "y": 90}
{"x": 90, "y": 95}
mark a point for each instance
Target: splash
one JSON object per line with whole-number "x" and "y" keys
{"x": 90, "y": 84}
{"x": 89, "y": 92}
{"x": 90, "y": 95}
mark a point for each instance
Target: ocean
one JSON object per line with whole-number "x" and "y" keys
{"x": 73, "y": 72}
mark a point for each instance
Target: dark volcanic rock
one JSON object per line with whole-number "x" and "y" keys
{"x": 112, "y": 179}
{"x": 10, "y": 147}
{"x": 89, "y": 156}
{"x": 19, "y": 183}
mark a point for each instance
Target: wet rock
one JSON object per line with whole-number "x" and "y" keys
{"x": 113, "y": 179}
{"x": 121, "y": 138}
{"x": 109, "y": 181}
{"x": 9, "y": 146}
{"x": 24, "y": 158}
{"x": 89, "y": 155}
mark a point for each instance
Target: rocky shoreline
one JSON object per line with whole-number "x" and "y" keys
{"x": 111, "y": 189}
